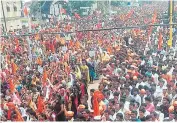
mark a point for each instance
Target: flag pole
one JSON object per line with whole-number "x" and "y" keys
{"x": 28, "y": 40}
{"x": 171, "y": 21}
{"x": 29, "y": 23}
{"x": 4, "y": 16}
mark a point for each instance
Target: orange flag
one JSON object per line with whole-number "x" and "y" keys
{"x": 154, "y": 19}
{"x": 44, "y": 77}
{"x": 58, "y": 37}
{"x": 39, "y": 61}
{"x": 160, "y": 42}
{"x": 77, "y": 45}
{"x": 70, "y": 43}
{"x": 62, "y": 41}
{"x": 19, "y": 116}
{"x": 52, "y": 48}
{"x": 25, "y": 10}
{"x": 16, "y": 42}
{"x": 40, "y": 105}
{"x": 66, "y": 57}
{"x": 62, "y": 11}
{"x": 11, "y": 86}
{"x": 14, "y": 68}
{"x": 100, "y": 42}
{"x": 109, "y": 49}
{"x": 8, "y": 57}
{"x": 37, "y": 37}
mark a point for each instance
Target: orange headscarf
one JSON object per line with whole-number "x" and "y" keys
{"x": 97, "y": 95}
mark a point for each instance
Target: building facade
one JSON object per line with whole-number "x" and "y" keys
{"x": 11, "y": 12}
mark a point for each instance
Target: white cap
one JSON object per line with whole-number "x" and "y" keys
{"x": 107, "y": 75}
{"x": 164, "y": 87}
{"x": 97, "y": 118}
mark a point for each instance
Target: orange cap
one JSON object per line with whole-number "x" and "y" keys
{"x": 171, "y": 109}
{"x": 81, "y": 106}
{"x": 129, "y": 71}
{"x": 175, "y": 103}
{"x": 135, "y": 78}
{"x": 70, "y": 113}
{"x": 142, "y": 91}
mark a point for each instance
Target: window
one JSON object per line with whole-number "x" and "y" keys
{"x": 8, "y": 9}
{"x": 15, "y": 8}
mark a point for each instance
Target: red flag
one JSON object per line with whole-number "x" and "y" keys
{"x": 40, "y": 105}
{"x": 14, "y": 68}
{"x": 99, "y": 25}
{"x": 11, "y": 86}
{"x": 44, "y": 77}
{"x": 62, "y": 11}
{"x": 154, "y": 19}
{"x": 77, "y": 16}
{"x": 25, "y": 11}
{"x": 19, "y": 116}
{"x": 160, "y": 41}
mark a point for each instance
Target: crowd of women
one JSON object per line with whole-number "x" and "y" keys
{"x": 45, "y": 77}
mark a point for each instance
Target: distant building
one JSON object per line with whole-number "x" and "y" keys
{"x": 12, "y": 13}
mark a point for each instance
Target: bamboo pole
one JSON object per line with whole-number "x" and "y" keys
{"x": 125, "y": 27}
{"x": 171, "y": 21}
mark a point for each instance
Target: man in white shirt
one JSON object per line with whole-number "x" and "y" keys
{"x": 117, "y": 110}
{"x": 159, "y": 88}
{"x": 136, "y": 96}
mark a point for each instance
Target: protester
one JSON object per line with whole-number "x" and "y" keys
{"x": 46, "y": 77}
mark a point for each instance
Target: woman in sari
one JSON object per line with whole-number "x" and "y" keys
{"x": 91, "y": 67}
{"x": 85, "y": 72}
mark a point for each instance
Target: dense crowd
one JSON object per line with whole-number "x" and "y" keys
{"x": 46, "y": 77}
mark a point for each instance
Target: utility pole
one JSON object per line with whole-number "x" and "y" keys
{"x": 171, "y": 21}
{"x": 4, "y": 16}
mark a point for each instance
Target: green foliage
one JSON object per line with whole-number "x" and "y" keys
{"x": 115, "y": 3}
{"x": 43, "y": 6}
{"x": 71, "y": 6}
{"x": 34, "y": 7}
{"x": 74, "y": 6}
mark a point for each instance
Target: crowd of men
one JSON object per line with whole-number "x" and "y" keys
{"x": 45, "y": 77}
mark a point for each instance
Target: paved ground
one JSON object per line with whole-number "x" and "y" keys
{"x": 92, "y": 86}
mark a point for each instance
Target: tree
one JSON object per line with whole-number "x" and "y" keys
{"x": 40, "y": 6}
{"x": 115, "y": 3}
{"x": 74, "y": 6}
{"x": 71, "y": 6}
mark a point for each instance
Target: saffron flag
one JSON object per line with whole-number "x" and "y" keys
{"x": 44, "y": 77}
{"x": 19, "y": 116}
{"x": 25, "y": 10}
{"x": 160, "y": 42}
{"x": 77, "y": 44}
{"x": 77, "y": 16}
{"x": 154, "y": 19}
{"x": 40, "y": 105}
{"x": 37, "y": 37}
{"x": 62, "y": 11}
{"x": 39, "y": 61}
{"x": 11, "y": 86}
{"x": 14, "y": 68}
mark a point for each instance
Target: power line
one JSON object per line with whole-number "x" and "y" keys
{"x": 125, "y": 27}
